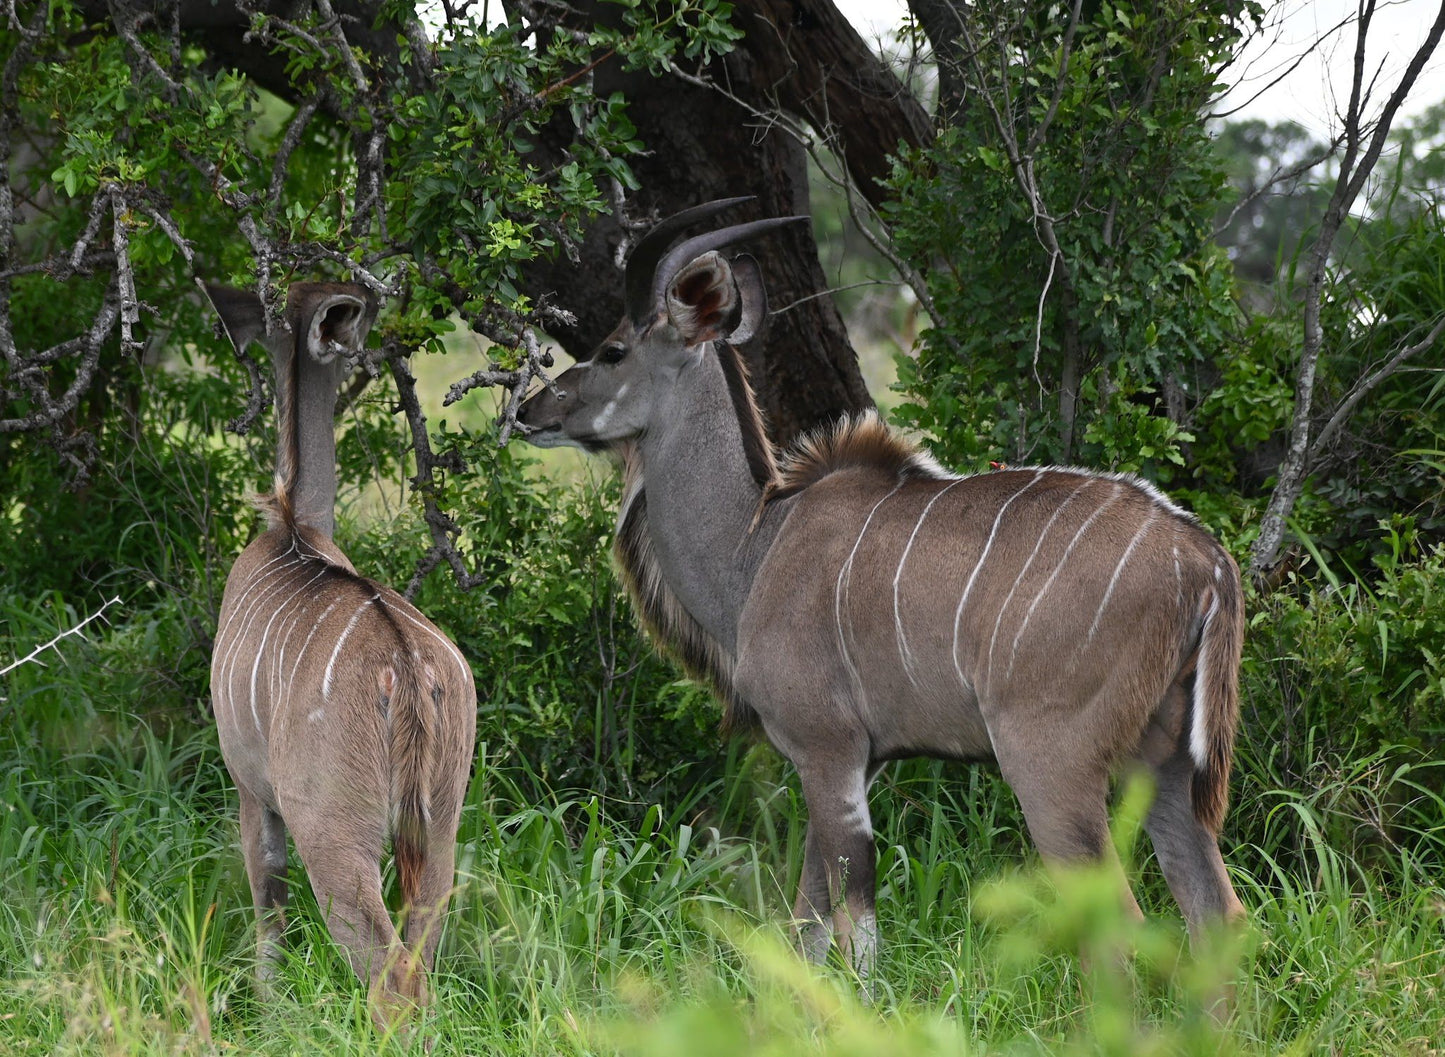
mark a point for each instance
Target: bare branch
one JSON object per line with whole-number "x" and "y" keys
{"x": 440, "y": 526}
{"x": 1282, "y": 174}
{"x": 1364, "y": 386}
{"x": 33, "y": 654}
{"x": 1355, "y": 169}
{"x": 1220, "y": 115}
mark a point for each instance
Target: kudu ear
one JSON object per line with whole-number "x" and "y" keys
{"x": 748, "y": 278}
{"x": 241, "y": 312}
{"x": 335, "y": 322}
{"x": 703, "y": 302}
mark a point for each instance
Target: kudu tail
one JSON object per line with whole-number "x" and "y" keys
{"x": 1215, "y": 713}
{"x": 276, "y": 505}
{"x": 411, "y": 751}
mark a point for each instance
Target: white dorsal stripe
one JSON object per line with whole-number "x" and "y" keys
{"x": 846, "y": 571}
{"x": 903, "y": 650}
{"x": 973, "y": 576}
{"x": 340, "y": 642}
{"x": 1018, "y": 635}
{"x": 1114, "y": 580}
{"x": 998, "y": 621}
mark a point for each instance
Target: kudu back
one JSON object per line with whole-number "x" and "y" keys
{"x": 864, "y": 605}
{"x": 345, "y": 716}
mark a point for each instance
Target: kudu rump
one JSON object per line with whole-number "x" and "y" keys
{"x": 344, "y": 714}
{"x": 863, "y": 605}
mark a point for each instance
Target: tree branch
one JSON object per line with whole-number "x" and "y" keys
{"x": 1355, "y": 169}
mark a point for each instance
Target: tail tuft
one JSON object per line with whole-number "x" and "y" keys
{"x": 409, "y": 770}
{"x": 1215, "y": 713}
{"x": 276, "y": 505}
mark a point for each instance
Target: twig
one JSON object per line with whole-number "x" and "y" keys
{"x": 1362, "y": 388}
{"x": 1279, "y": 176}
{"x": 64, "y": 634}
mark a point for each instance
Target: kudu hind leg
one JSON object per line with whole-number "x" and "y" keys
{"x": 426, "y": 907}
{"x": 346, "y": 878}
{"x": 263, "y": 846}
{"x": 1065, "y": 803}
{"x": 1187, "y": 851}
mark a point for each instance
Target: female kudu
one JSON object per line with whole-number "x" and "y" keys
{"x": 345, "y": 716}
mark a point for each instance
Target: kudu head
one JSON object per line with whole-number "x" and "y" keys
{"x": 679, "y": 298}
{"x": 323, "y": 323}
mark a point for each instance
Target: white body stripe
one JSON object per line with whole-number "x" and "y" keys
{"x": 1018, "y": 636}
{"x": 903, "y": 650}
{"x": 998, "y": 621}
{"x": 266, "y": 634}
{"x": 291, "y": 680}
{"x": 340, "y": 642}
{"x": 846, "y": 571}
{"x": 279, "y": 581}
{"x": 246, "y": 603}
{"x": 1114, "y": 580}
{"x": 988, "y": 545}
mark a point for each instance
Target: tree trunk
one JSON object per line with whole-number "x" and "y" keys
{"x": 800, "y": 55}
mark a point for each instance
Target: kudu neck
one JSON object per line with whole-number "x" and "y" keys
{"x": 306, "y": 437}
{"x": 703, "y": 498}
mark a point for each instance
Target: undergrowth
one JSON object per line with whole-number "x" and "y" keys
{"x": 586, "y": 925}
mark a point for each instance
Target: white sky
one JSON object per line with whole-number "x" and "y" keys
{"x": 1318, "y": 88}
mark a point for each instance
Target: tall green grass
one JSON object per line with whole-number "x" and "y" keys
{"x": 582, "y": 925}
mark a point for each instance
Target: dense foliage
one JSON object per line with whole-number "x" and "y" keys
{"x": 624, "y": 875}
{"x": 1065, "y": 216}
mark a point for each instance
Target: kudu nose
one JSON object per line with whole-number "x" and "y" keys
{"x": 536, "y": 404}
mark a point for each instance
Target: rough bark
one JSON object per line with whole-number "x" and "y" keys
{"x": 943, "y": 26}
{"x": 707, "y": 144}
{"x": 808, "y": 56}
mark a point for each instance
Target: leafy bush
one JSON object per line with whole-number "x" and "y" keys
{"x": 1087, "y": 350}
{"x": 1344, "y": 704}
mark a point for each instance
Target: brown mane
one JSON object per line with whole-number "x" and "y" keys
{"x": 853, "y": 442}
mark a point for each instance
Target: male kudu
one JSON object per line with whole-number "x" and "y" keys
{"x": 345, "y": 716}
{"x": 863, "y": 605}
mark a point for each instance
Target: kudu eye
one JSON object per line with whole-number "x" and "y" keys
{"x": 613, "y": 354}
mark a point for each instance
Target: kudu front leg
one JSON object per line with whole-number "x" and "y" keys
{"x": 838, "y": 868}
